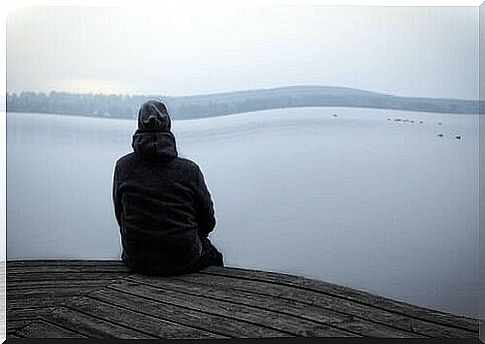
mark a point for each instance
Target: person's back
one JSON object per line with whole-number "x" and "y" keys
{"x": 161, "y": 202}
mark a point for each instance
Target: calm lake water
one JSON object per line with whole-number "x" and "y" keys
{"x": 380, "y": 205}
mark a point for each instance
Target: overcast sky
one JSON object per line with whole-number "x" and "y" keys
{"x": 414, "y": 51}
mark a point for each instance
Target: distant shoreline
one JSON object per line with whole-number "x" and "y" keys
{"x": 219, "y": 104}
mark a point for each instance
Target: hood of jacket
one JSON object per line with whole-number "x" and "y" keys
{"x": 154, "y": 145}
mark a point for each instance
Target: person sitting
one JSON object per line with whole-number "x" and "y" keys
{"x": 161, "y": 202}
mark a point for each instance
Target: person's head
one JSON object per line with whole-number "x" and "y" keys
{"x": 153, "y": 116}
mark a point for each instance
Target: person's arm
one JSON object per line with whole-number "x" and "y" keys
{"x": 116, "y": 196}
{"x": 204, "y": 206}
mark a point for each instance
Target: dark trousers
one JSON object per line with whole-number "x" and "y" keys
{"x": 210, "y": 255}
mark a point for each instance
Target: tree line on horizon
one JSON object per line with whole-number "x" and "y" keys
{"x": 186, "y": 107}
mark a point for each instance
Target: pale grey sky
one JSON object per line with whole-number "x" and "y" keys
{"x": 410, "y": 51}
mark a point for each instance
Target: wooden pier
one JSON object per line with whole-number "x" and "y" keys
{"x": 100, "y": 299}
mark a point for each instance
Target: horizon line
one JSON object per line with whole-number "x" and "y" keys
{"x": 377, "y": 93}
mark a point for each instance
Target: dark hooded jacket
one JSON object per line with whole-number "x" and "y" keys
{"x": 161, "y": 201}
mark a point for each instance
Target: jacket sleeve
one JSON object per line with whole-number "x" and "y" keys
{"x": 116, "y": 196}
{"x": 203, "y": 206}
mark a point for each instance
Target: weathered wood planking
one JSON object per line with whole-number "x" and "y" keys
{"x": 234, "y": 311}
{"x": 187, "y": 316}
{"x": 67, "y": 266}
{"x": 312, "y": 299}
{"x": 3, "y": 300}
{"x": 66, "y": 263}
{"x": 101, "y": 299}
{"x": 50, "y": 284}
{"x": 44, "y": 329}
{"x": 16, "y": 325}
{"x": 93, "y": 326}
{"x": 27, "y": 314}
{"x": 58, "y": 276}
{"x": 350, "y": 294}
{"x": 324, "y": 316}
{"x": 146, "y": 323}
{"x": 35, "y": 302}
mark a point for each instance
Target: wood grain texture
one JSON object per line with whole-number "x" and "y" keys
{"x": 193, "y": 318}
{"x": 104, "y": 299}
{"x": 93, "y": 326}
{"x": 350, "y": 294}
{"x": 316, "y": 299}
{"x": 313, "y": 313}
{"x": 44, "y": 329}
{"x": 143, "y": 322}
{"x": 292, "y": 325}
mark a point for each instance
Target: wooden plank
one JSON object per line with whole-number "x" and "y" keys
{"x": 62, "y": 262}
{"x": 193, "y": 318}
{"x": 277, "y": 321}
{"x": 48, "y": 292}
{"x": 344, "y": 309}
{"x": 92, "y": 327}
{"x": 43, "y": 329}
{"x": 137, "y": 321}
{"x": 71, "y": 319}
{"x": 329, "y": 302}
{"x": 27, "y": 313}
{"x": 305, "y": 311}
{"x": 14, "y": 326}
{"x": 23, "y": 269}
{"x": 36, "y": 302}
{"x": 349, "y": 294}
{"x": 57, "y": 276}
{"x": 22, "y": 285}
